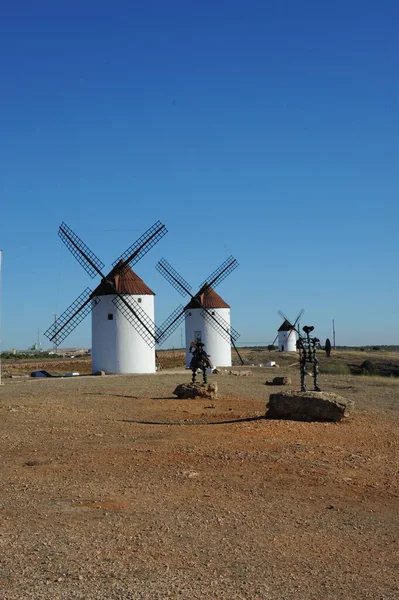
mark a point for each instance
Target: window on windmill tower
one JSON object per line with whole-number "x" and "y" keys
{"x": 138, "y": 299}
{"x": 110, "y": 317}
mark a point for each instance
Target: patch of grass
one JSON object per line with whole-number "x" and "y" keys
{"x": 170, "y": 359}
{"x": 366, "y": 373}
{"x": 334, "y": 369}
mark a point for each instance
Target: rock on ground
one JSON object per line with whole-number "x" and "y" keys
{"x": 308, "y": 406}
{"x": 241, "y": 373}
{"x": 280, "y": 381}
{"x": 195, "y": 390}
{"x": 40, "y": 374}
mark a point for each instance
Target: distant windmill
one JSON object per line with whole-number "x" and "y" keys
{"x": 207, "y": 315}
{"x": 123, "y": 330}
{"x": 286, "y": 333}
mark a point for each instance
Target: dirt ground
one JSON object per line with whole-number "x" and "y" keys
{"x": 112, "y": 488}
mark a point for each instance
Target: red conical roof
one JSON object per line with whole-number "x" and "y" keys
{"x": 126, "y": 281}
{"x": 286, "y": 326}
{"x": 208, "y": 298}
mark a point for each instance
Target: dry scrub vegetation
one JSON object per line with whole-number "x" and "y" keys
{"x": 114, "y": 489}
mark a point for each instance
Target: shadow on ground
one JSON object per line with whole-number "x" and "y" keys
{"x": 190, "y": 422}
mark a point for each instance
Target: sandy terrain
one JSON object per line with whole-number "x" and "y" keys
{"x": 114, "y": 489}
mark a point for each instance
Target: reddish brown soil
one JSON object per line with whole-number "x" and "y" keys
{"x": 114, "y": 489}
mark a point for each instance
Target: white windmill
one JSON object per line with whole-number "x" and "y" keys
{"x": 286, "y": 333}
{"x": 123, "y": 330}
{"x": 117, "y": 347}
{"x": 207, "y": 315}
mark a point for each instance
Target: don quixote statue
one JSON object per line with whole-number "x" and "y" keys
{"x": 200, "y": 360}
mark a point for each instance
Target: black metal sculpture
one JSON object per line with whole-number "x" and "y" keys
{"x": 200, "y": 360}
{"x": 307, "y": 347}
{"x": 307, "y": 355}
{"x": 327, "y": 347}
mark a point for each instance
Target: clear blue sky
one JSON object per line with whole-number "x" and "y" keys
{"x": 266, "y": 130}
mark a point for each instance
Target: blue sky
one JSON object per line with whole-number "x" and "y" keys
{"x": 265, "y": 130}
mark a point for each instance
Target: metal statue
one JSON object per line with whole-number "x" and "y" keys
{"x": 327, "y": 347}
{"x": 200, "y": 360}
{"x": 307, "y": 355}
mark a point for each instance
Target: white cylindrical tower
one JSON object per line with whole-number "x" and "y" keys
{"x": 286, "y": 338}
{"x": 206, "y": 331}
{"x": 117, "y": 346}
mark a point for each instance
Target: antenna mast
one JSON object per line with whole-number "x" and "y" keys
{"x": 333, "y": 324}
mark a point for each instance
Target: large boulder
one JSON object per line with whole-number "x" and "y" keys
{"x": 308, "y": 406}
{"x": 196, "y": 390}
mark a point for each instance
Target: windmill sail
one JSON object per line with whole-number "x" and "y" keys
{"x": 220, "y": 273}
{"x": 131, "y": 310}
{"x": 204, "y": 299}
{"x": 171, "y": 324}
{"x": 141, "y": 246}
{"x": 85, "y": 257}
{"x": 220, "y": 325}
{"x": 71, "y": 317}
{"x": 137, "y": 317}
{"x": 174, "y": 278}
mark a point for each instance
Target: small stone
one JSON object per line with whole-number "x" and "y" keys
{"x": 241, "y": 373}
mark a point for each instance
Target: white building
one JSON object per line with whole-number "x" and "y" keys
{"x": 117, "y": 346}
{"x": 200, "y": 329}
{"x": 286, "y": 338}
